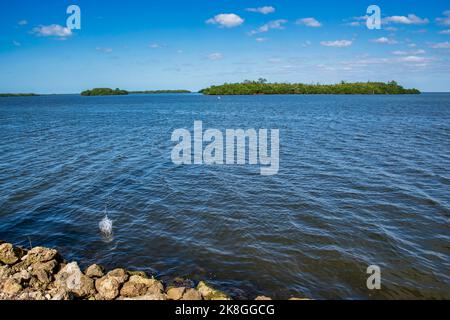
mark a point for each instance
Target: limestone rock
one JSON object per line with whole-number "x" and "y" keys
{"x": 107, "y": 287}
{"x": 71, "y": 279}
{"x": 133, "y": 289}
{"x": 137, "y": 273}
{"x": 156, "y": 296}
{"x": 5, "y": 272}
{"x": 22, "y": 276}
{"x": 9, "y": 254}
{"x": 175, "y": 293}
{"x": 119, "y": 274}
{"x": 139, "y": 286}
{"x": 41, "y": 254}
{"x": 95, "y": 271}
{"x": 12, "y": 287}
{"x": 191, "y": 294}
{"x": 209, "y": 293}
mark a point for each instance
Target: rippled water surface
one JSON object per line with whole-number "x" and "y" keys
{"x": 363, "y": 180}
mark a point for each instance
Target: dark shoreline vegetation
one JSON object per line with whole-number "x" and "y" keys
{"x": 261, "y": 86}
{"x": 18, "y": 95}
{"x": 119, "y": 92}
{"x": 41, "y": 273}
{"x": 104, "y": 92}
{"x": 159, "y": 91}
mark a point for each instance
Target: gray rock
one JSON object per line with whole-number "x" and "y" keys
{"x": 71, "y": 279}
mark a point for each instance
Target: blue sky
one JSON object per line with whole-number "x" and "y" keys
{"x": 189, "y": 45}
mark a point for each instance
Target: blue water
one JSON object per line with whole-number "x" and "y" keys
{"x": 363, "y": 180}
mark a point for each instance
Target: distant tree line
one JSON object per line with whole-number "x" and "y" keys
{"x": 117, "y": 91}
{"x": 104, "y": 92}
{"x": 18, "y": 95}
{"x": 261, "y": 86}
{"x": 160, "y": 91}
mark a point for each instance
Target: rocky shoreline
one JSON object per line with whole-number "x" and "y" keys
{"x": 42, "y": 274}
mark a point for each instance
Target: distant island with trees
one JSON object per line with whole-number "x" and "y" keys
{"x": 18, "y": 95}
{"x": 104, "y": 92}
{"x": 159, "y": 91}
{"x": 261, "y": 86}
{"x": 119, "y": 92}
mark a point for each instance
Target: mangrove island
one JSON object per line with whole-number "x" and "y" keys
{"x": 104, "y": 92}
{"x": 261, "y": 86}
{"x": 18, "y": 95}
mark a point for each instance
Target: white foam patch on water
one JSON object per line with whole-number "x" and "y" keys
{"x": 106, "y": 227}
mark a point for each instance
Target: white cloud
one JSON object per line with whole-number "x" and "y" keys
{"x": 384, "y": 40}
{"x": 54, "y": 30}
{"x": 441, "y": 45}
{"x": 261, "y": 39}
{"x": 276, "y": 24}
{"x": 357, "y": 21}
{"x": 444, "y": 31}
{"x": 263, "y": 10}
{"x": 104, "y": 50}
{"x": 413, "y": 59}
{"x": 22, "y": 22}
{"x": 354, "y": 24}
{"x": 154, "y": 45}
{"x": 215, "y": 56}
{"x": 445, "y": 20}
{"x": 309, "y": 22}
{"x": 337, "y": 43}
{"x": 409, "y": 19}
{"x": 413, "y": 52}
{"x": 16, "y": 43}
{"x": 226, "y": 20}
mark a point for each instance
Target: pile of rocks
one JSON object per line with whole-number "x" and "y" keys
{"x": 41, "y": 274}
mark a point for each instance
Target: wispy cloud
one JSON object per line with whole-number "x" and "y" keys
{"x": 104, "y": 50}
{"x": 16, "y": 43}
{"x": 357, "y": 21}
{"x": 441, "y": 45}
{"x": 337, "y": 43}
{"x": 309, "y": 22}
{"x": 54, "y": 30}
{"x": 22, "y": 22}
{"x": 410, "y": 19}
{"x": 444, "y": 31}
{"x": 226, "y": 20}
{"x": 411, "y": 52}
{"x": 263, "y": 10}
{"x": 154, "y": 45}
{"x": 384, "y": 40}
{"x": 275, "y": 24}
{"x": 415, "y": 59}
{"x": 261, "y": 39}
{"x": 445, "y": 21}
{"x": 215, "y": 56}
